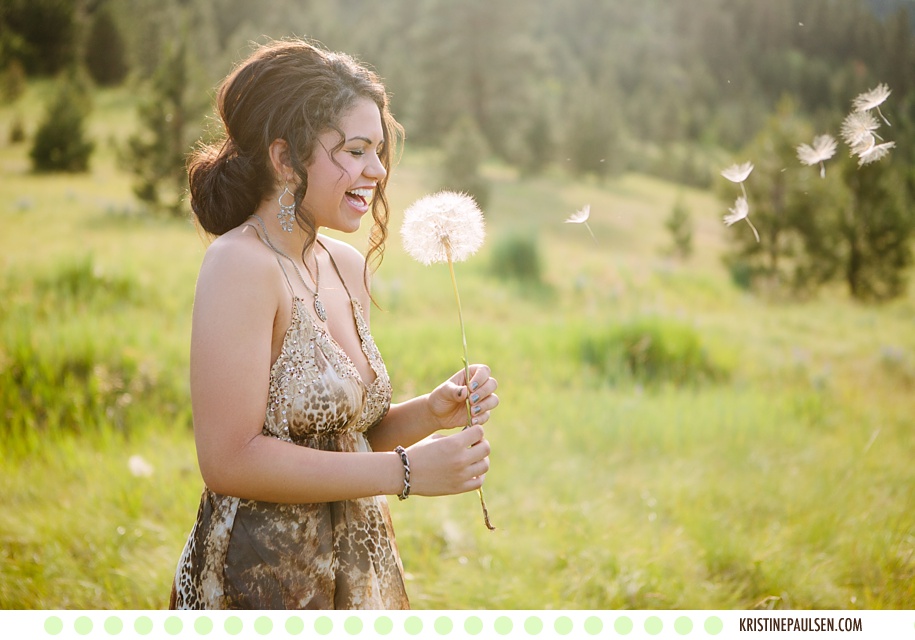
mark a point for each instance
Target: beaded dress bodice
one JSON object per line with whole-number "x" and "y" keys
{"x": 316, "y": 391}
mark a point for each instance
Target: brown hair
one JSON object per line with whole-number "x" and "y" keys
{"x": 291, "y": 90}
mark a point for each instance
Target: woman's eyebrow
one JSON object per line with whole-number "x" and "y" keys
{"x": 363, "y": 138}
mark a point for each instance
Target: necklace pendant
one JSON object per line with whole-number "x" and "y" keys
{"x": 319, "y": 309}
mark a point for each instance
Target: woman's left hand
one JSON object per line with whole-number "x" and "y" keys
{"x": 448, "y": 402}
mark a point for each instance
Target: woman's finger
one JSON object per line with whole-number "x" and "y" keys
{"x": 473, "y": 484}
{"x": 479, "y": 469}
{"x": 479, "y": 374}
{"x": 470, "y": 436}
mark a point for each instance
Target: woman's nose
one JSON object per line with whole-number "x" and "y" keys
{"x": 375, "y": 169}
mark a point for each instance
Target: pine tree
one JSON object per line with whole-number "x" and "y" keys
{"x": 791, "y": 206}
{"x": 877, "y": 227}
{"x": 156, "y": 154}
{"x": 12, "y": 81}
{"x": 465, "y": 149}
{"x": 680, "y": 225}
{"x": 852, "y": 225}
{"x": 595, "y": 136}
{"x": 538, "y": 144}
{"x": 477, "y": 59}
{"x": 42, "y": 34}
{"x": 106, "y": 54}
{"x": 60, "y": 142}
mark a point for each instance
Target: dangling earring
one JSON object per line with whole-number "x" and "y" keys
{"x": 286, "y": 216}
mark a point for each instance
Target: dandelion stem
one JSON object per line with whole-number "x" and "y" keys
{"x": 457, "y": 298}
{"x": 884, "y": 118}
{"x": 755, "y": 232}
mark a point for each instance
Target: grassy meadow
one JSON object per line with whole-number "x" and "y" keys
{"x": 665, "y": 439}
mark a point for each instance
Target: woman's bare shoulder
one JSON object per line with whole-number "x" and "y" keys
{"x": 343, "y": 252}
{"x": 348, "y": 259}
{"x": 238, "y": 260}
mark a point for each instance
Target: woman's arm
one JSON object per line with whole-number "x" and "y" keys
{"x": 235, "y": 309}
{"x": 236, "y": 306}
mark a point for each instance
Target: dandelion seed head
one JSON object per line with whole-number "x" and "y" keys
{"x": 581, "y": 215}
{"x": 874, "y": 153}
{"x": 436, "y": 223}
{"x": 822, "y": 149}
{"x": 858, "y": 127}
{"x": 872, "y": 99}
{"x": 739, "y": 211}
{"x": 738, "y": 172}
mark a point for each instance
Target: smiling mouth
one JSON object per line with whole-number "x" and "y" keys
{"x": 360, "y": 197}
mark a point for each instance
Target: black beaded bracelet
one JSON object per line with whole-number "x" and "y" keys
{"x": 403, "y": 495}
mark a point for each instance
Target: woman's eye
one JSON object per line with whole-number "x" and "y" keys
{"x": 357, "y": 152}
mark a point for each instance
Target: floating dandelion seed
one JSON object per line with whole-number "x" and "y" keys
{"x": 738, "y": 173}
{"x": 862, "y": 147}
{"x": 872, "y": 100}
{"x": 446, "y": 227}
{"x": 822, "y": 149}
{"x": 581, "y": 217}
{"x": 139, "y": 467}
{"x": 858, "y": 130}
{"x": 741, "y": 211}
{"x": 874, "y": 153}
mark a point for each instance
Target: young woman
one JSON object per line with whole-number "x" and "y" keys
{"x": 297, "y": 440}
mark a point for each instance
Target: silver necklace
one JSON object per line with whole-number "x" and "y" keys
{"x": 319, "y": 306}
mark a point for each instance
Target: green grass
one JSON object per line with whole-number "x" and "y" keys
{"x": 783, "y": 479}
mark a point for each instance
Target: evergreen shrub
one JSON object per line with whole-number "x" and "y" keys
{"x": 651, "y": 351}
{"x": 60, "y": 143}
{"x": 517, "y": 257}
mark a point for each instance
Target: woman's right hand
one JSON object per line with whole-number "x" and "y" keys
{"x": 449, "y": 464}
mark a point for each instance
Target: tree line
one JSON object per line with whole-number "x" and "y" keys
{"x": 591, "y": 87}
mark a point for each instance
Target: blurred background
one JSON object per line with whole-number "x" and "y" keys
{"x": 691, "y": 418}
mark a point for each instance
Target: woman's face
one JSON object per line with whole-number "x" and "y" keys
{"x": 341, "y": 184}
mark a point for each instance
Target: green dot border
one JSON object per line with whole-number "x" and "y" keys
{"x": 533, "y": 625}
{"x": 294, "y": 626}
{"x": 173, "y": 625}
{"x": 420, "y": 624}
{"x": 413, "y": 625}
{"x": 353, "y": 625}
{"x": 623, "y": 625}
{"x": 654, "y": 625}
{"x": 563, "y": 625}
{"x": 473, "y": 625}
{"x": 143, "y": 625}
{"x": 713, "y": 625}
{"x": 83, "y": 625}
{"x": 443, "y": 625}
{"x": 53, "y": 626}
{"x": 383, "y": 625}
{"x": 113, "y": 625}
{"x": 233, "y": 625}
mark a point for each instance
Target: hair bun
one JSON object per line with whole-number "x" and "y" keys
{"x": 223, "y": 187}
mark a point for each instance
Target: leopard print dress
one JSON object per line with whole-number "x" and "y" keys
{"x": 247, "y": 554}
